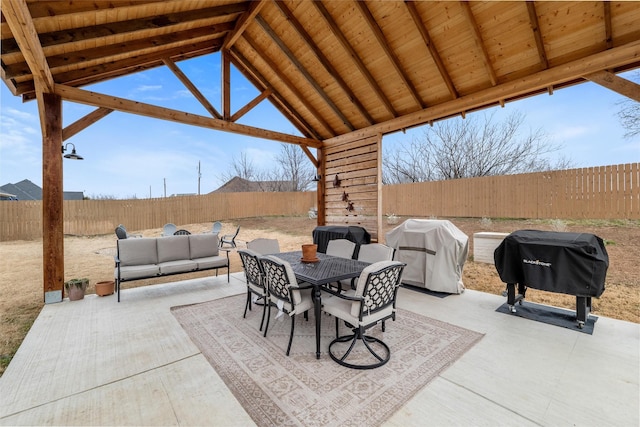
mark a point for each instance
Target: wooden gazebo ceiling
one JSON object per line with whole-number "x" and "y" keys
{"x": 334, "y": 67}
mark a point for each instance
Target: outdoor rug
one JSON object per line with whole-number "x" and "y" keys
{"x": 301, "y": 390}
{"x": 550, "y": 315}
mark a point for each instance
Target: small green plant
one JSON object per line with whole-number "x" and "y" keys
{"x": 78, "y": 283}
{"x": 558, "y": 225}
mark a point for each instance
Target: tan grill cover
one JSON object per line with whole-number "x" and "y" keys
{"x": 434, "y": 251}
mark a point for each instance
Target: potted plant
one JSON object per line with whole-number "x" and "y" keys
{"x": 105, "y": 288}
{"x": 75, "y": 288}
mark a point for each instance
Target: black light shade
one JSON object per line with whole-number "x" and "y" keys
{"x": 73, "y": 155}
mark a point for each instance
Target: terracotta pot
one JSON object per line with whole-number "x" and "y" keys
{"x": 309, "y": 252}
{"x": 75, "y": 293}
{"x": 105, "y": 288}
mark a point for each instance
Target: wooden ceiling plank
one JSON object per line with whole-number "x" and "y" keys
{"x": 103, "y": 53}
{"x": 329, "y": 68}
{"x": 435, "y": 55}
{"x": 251, "y": 104}
{"x": 139, "y": 108}
{"x": 477, "y": 38}
{"x": 616, "y": 83}
{"x": 535, "y": 27}
{"x": 615, "y": 57}
{"x": 305, "y": 73}
{"x": 45, "y": 8}
{"x": 130, "y": 26}
{"x": 84, "y": 122}
{"x": 258, "y": 80}
{"x": 242, "y": 23}
{"x": 289, "y": 84}
{"x": 392, "y": 57}
{"x": 132, "y": 64}
{"x": 192, "y": 88}
{"x": 608, "y": 29}
{"x": 354, "y": 56}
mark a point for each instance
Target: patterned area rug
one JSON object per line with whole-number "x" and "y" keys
{"x": 301, "y": 390}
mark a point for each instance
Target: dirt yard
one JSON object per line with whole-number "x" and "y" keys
{"x": 92, "y": 257}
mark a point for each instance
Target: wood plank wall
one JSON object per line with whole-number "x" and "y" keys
{"x": 356, "y": 200}
{"x": 606, "y": 192}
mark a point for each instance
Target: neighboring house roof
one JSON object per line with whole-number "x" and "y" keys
{"x": 27, "y": 190}
{"x": 241, "y": 185}
{"x": 24, "y": 190}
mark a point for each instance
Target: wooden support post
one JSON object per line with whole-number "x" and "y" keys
{"x": 52, "y": 212}
{"x": 226, "y": 86}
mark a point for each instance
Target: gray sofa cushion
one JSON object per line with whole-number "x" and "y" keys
{"x": 137, "y": 271}
{"x": 212, "y": 262}
{"x": 203, "y": 245}
{"x": 137, "y": 252}
{"x": 179, "y": 266}
{"x": 173, "y": 248}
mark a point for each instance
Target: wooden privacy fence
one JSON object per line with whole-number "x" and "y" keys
{"x": 23, "y": 219}
{"x": 606, "y": 192}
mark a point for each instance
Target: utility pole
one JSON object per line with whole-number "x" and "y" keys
{"x": 199, "y": 176}
{"x": 165, "y": 187}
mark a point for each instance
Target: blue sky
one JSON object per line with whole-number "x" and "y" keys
{"x": 127, "y": 155}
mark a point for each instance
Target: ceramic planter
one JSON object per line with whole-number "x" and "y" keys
{"x": 105, "y": 288}
{"x": 75, "y": 288}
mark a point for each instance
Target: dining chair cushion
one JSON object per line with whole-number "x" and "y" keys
{"x": 264, "y": 246}
{"x": 342, "y": 248}
{"x": 374, "y": 252}
{"x": 362, "y": 281}
{"x": 343, "y": 309}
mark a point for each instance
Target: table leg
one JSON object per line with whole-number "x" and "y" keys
{"x": 318, "y": 313}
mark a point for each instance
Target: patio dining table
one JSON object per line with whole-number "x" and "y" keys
{"x": 328, "y": 269}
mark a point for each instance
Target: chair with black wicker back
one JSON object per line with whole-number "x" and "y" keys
{"x": 256, "y": 283}
{"x": 284, "y": 292}
{"x": 373, "y": 301}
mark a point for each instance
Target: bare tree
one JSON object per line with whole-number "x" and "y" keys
{"x": 463, "y": 148}
{"x": 629, "y": 114}
{"x": 242, "y": 167}
{"x": 294, "y": 171}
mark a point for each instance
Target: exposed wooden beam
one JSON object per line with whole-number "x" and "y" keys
{"x": 192, "y": 88}
{"x": 615, "y": 57}
{"x": 257, "y": 79}
{"x": 243, "y": 22}
{"x": 616, "y": 83}
{"x": 120, "y": 104}
{"x": 84, "y": 122}
{"x": 477, "y": 38}
{"x": 294, "y": 90}
{"x": 127, "y": 66}
{"x": 426, "y": 38}
{"x": 537, "y": 35}
{"x": 26, "y": 37}
{"x": 330, "y": 69}
{"x": 392, "y": 57}
{"x": 102, "y": 53}
{"x": 335, "y": 30}
{"x": 251, "y": 104}
{"x": 225, "y": 85}
{"x": 113, "y": 28}
{"x": 305, "y": 73}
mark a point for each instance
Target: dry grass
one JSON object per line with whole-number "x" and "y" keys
{"x": 92, "y": 257}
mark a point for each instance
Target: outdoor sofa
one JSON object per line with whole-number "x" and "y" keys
{"x": 146, "y": 258}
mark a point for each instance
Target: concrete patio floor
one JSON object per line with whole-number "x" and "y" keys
{"x": 97, "y": 362}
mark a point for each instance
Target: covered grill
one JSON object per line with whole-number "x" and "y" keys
{"x": 567, "y": 263}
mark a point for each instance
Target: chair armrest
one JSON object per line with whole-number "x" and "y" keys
{"x": 343, "y": 296}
